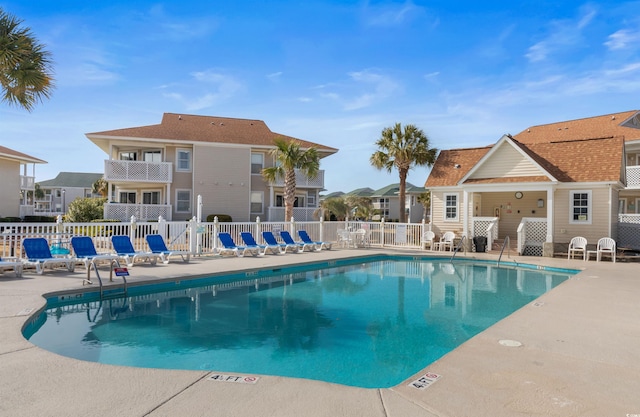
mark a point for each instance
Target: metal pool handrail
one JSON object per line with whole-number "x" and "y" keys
{"x": 506, "y": 240}
{"x": 462, "y": 240}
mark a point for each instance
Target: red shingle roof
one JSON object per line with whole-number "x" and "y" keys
{"x": 23, "y": 157}
{"x": 192, "y": 128}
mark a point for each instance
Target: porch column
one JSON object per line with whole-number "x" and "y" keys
{"x": 465, "y": 213}
{"x": 550, "y": 213}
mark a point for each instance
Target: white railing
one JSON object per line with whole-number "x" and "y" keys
{"x": 201, "y": 238}
{"x": 138, "y": 171}
{"x": 27, "y": 182}
{"x": 487, "y": 227}
{"x": 532, "y": 232}
{"x": 628, "y": 231}
{"x": 633, "y": 176}
{"x": 144, "y": 212}
{"x": 302, "y": 181}
{"x": 276, "y": 214}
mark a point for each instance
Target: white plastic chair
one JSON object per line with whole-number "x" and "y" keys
{"x": 606, "y": 246}
{"x": 344, "y": 238}
{"x": 446, "y": 241}
{"x": 578, "y": 244}
{"x": 427, "y": 239}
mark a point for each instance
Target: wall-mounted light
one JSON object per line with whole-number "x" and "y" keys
{"x": 540, "y": 203}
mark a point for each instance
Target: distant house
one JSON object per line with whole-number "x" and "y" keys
{"x": 63, "y": 189}
{"x": 16, "y": 183}
{"x": 544, "y": 185}
{"x": 387, "y": 201}
{"x": 160, "y": 170}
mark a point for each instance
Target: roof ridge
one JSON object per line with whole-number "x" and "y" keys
{"x": 585, "y": 118}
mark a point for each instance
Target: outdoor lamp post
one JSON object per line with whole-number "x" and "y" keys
{"x": 63, "y": 202}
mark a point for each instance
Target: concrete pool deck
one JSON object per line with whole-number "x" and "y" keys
{"x": 580, "y": 356}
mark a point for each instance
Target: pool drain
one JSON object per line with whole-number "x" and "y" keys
{"x": 509, "y": 343}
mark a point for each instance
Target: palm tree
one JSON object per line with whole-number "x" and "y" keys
{"x": 288, "y": 157}
{"x": 425, "y": 200}
{"x": 335, "y": 206}
{"x": 403, "y": 149}
{"x": 26, "y": 75}
{"x": 100, "y": 187}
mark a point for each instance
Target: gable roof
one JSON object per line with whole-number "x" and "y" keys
{"x": 7, "y": 153}
{"x": 391, "y": 190}
{"x": 71, "y": 179}
{"x": 208, "y": 129}
{"x": 582, "y": 150}
{"x": 624, "y": 124}
{"x": 361, "y": 192}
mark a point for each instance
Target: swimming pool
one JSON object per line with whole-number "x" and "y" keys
{"x": 370, "y": 322}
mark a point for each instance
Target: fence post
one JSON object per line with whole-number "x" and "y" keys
{"x": 258, "y": 234}
{"x": 321, "y": 228}
{"x": 382, "y": 232}
{"x": 193, "y": 236}
{"x": 215, "y": 233}
{"x": 162, "y": 227}
{"x": 132, "y": 230}
{"x": 292, "y": 227}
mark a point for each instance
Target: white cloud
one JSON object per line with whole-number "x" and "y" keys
{"x": 623, "y": 39}
{"x": 274, "y": 76}
{"x": 390, "y": 14}
{"x": 213, "y": 87}
{"x": 563, "y": 34}
{"x": 382, "y": 86}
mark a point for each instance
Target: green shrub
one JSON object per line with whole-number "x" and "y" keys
{"x": 221, "y": 218}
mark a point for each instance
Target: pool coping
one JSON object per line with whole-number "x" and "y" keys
{"x": 587, "y": 326}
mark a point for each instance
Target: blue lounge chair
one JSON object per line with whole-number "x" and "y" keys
{"x": 39, "y": 256}
{"x": 123, "y": 247}
{"x": 304, "y": 236}
{"x": 157, "y": 245}
{"x": 270, "y": 239}
{"x": 249, "y": 240}
{"x": 85, "y": 251}
{"x": 286, "y": 237}
{"x": 15, "y": 265}
{"x": 229, "y": 246}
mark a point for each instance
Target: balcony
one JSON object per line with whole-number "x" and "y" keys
{"x": 116, "y": 170}
{"x": 143, "y": 212}
{"x": 302, "y": 181}
{"x": 27, "y": 182}
{"x": 633, "y": 176}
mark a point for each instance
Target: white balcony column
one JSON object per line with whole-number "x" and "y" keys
{"x": 465, "y": 213}
{"x": 550, "y": 212}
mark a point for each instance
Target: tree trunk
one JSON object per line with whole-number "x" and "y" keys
{"x": 403, "y": 186}
{"x": 289, "y": 194}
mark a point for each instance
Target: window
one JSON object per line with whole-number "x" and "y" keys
{"x": 183, "y": 201}
{"x": 257, "y": 198}
{"x": 451, "y": 207}
{"x": 257, "y": 163}
{"x": 183, "y": 160}
{"x": 279, "y": 201}
{"x": 128, "y": 156}
{"x": 151, "y": 197}
{"x": 152, "y": 156}
{"x": 622, "y": 206}
{"x": 127, "y": 197}
{"x": 580, "y": 202}
{"x": 449, "y": 295}
{"x": 311, "y": 201}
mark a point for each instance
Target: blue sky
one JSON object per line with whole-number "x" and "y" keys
{"x": 332, "y": 72}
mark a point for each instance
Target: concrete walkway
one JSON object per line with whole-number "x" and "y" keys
{"x": 580, "y": 356}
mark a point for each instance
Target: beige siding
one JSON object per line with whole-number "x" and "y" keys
{"x": 512, "y": 210}
{"x": 438, "y": 225}
{"x": 9, "y": 188}
{"x": 564, "y": 230}
{"x": 506, "y": 162}
{"x": 223, "y": 178}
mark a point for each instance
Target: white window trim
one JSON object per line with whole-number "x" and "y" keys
{"x": 143, "y": 192}
{"x": 622, "y": 205}
{"x": 262, "y": 202}
{"x": 589, "y": 207}
{"x": 176, "y": 200}
{"x": 251, "y": 163}
{"x": 444, "y": 207}
{"x": 190, "y": 152}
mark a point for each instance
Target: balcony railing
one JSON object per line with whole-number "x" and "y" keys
{"x": 27, "y": 182}
{"x": 143, "y": 212}
{"x": 302, "y": 181}
{"x": 633, "y": 176}
{"x": 137, "y": 171}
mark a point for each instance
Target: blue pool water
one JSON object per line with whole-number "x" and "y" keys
{"x": 367, "y": 324}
